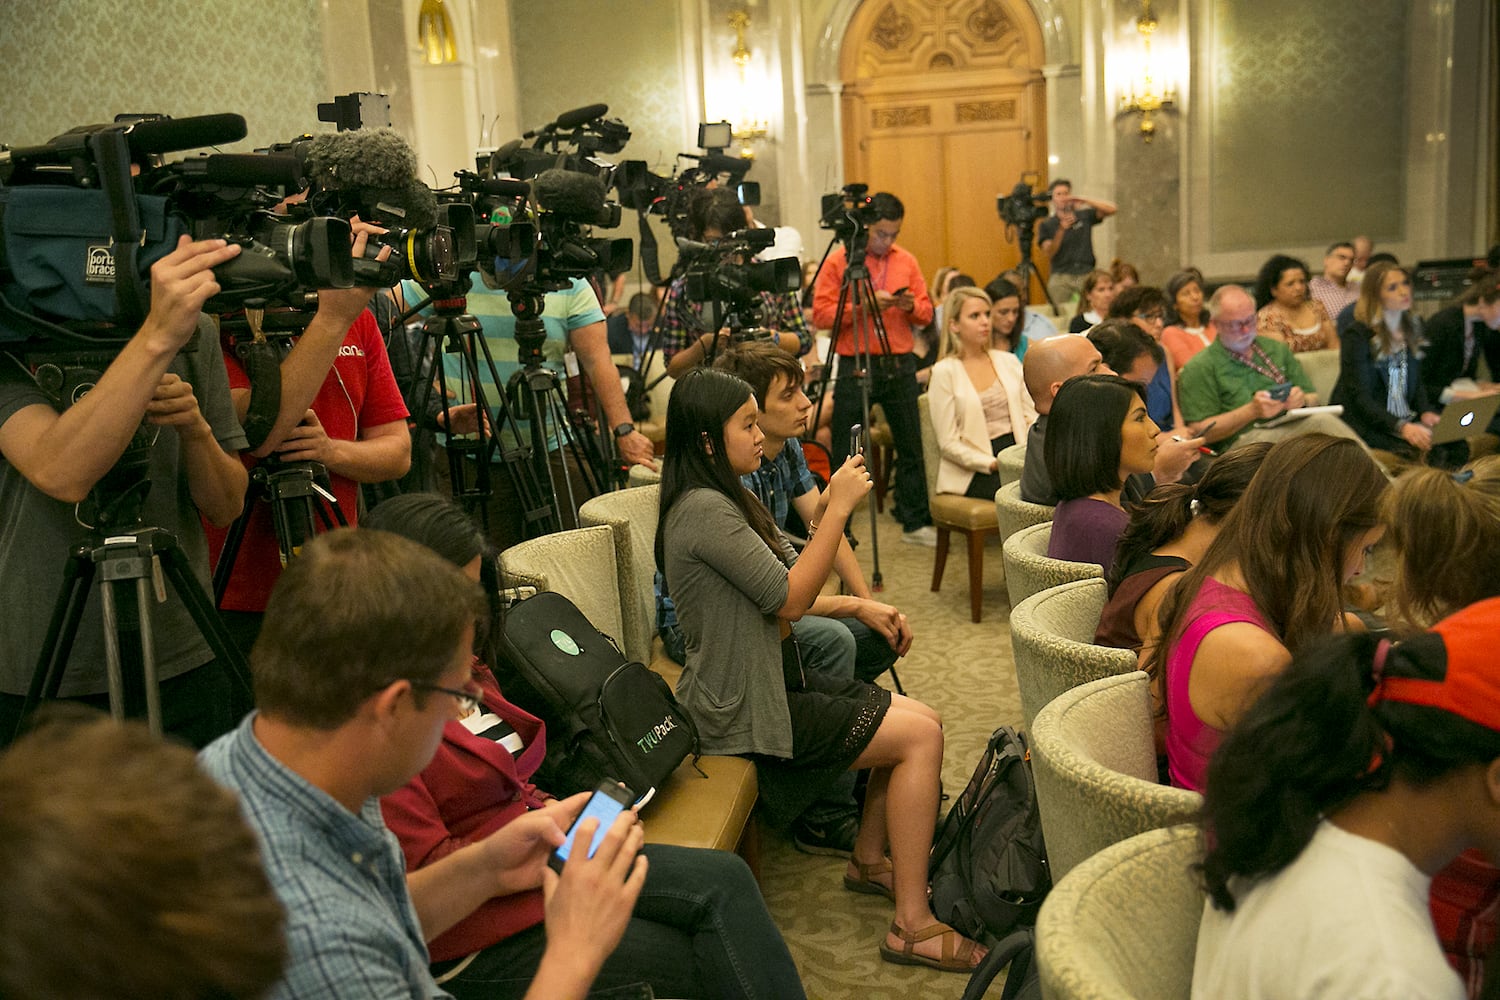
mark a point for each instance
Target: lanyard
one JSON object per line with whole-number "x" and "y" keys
{"x": 1253, "y": 360}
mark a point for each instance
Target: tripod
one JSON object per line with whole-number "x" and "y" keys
{"x": 297, "y": 492}
{"x": 1025, "y": 234}
{"x": 867, "y": 328}
{"x": 133, "y": 564}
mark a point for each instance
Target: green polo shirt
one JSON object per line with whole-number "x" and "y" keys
{"x": 1213, "y": 382}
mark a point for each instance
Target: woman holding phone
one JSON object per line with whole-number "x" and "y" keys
{"x": 739, "y": 589}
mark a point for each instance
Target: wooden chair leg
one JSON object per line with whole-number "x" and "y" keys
{"x": 976, "y": 573}
{"x": 940, "y": 559}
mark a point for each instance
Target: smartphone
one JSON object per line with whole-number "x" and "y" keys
{"x": 608, "y": 801}
{"x": 901, "y": 291}
{"x": 1280, "y": 391}
{"x": 857, "y": 439}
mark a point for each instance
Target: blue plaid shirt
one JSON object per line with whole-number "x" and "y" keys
{"x": 351, "y": 929}
{"x": 777, "y": 483}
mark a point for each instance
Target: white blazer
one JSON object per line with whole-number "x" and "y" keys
{"x": 958, "y": 418}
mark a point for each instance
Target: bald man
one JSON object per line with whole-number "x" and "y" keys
{"x": 1047, "y": 365}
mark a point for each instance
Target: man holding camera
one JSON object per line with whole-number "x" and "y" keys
{"x": 53, "y": 458}
{"x": 1067, "y": 239}
{"x": 713, "y": 214}
{"x": 901, "y": 295}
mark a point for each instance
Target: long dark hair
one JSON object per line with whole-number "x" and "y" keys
{"x": 1314, "y": 495}
{"x": 1083, "y": 434}
{"x": 1164, "y": 515}
{"x": 700, "y": 404}
{"x": 1175, "y": 284}
{"x": 1312, "y": 742}
{"x": 1270, "y": 276}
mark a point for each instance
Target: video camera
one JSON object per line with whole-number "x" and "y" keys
{"x": 848, "y": 211}
{"x": 718, "y": 271}
{"x": 1024, "y": 206}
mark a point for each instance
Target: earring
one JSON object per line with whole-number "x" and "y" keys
{"x": 708, "y": 445}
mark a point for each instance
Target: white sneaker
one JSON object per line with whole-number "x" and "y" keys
{"x": 921, "y": 536}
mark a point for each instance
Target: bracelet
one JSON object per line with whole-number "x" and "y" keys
{"x": 812, "y": 529}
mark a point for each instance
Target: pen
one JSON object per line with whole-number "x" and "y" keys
{"x": 1202, "y": 450}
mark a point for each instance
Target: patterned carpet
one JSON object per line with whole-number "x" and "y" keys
{"x": 966, "y": 672}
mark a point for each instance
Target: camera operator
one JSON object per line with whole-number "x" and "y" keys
{"x": 1067, "y": 239}
{"x": 340, "y": 407}
{"x": 713, "y": 215}
{"x": 52, "y": 460}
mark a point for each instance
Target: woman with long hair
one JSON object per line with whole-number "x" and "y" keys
{"x": 978, "y": 398}
{"x": 1268, "y": 583}
{"x": 700, "y": 926}
{"x": 1093, "y": 302}
{"x": 1097, "y": 435}
{"x": 1380, "y": 373}
{"x": 1189, "y": 327}
{"x": 1364, "y": 768}
{"x": 1287, "y": 313}
{"x": 1445, "y": 532}
{"x": 739, "y": 588}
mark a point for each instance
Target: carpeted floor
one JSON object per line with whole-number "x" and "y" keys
{"x": 966, "y": 672}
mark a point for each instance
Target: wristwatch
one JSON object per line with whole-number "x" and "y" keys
{"x": 624, "y": 429}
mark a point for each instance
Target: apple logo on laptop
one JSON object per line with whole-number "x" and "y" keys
{"x": 1467, "y": 419}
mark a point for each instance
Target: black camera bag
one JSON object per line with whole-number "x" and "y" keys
{"x": 605, "y": 717}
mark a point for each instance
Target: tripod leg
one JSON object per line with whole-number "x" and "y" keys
{"x": 182, "y": 580}
{"x": 67, "y": 614}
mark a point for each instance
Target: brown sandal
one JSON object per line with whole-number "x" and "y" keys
{"x": 866, "y": 883}
{"x": 957, "y": 953}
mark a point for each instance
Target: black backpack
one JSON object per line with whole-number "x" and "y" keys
{"x": 989, "y": 864}
{"x": 605, "y": 717}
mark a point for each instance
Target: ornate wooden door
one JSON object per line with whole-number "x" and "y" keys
{"x": 944, "y": 106}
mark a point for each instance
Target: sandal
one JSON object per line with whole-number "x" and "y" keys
{"x": 866, "y": 883}
{"x": 957, "y": 952}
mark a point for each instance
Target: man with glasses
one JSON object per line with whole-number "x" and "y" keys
{"x": 1242, "y": 379}
{"x": 1333, "y": 287}
{"x": 354, "y": 681}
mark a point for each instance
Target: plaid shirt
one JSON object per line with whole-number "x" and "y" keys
{"x": 1334, "y": 297}
{"x": 682, "y": 321}
{"x": 351, "y": 929}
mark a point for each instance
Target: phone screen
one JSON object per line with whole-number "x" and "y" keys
{"x": 601, "y": 807}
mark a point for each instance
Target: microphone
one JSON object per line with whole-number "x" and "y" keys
{"x": 570, "y": 195}
{"x": 569, "y": 120}
{"x": 379, "y": 168}
{"x": 692, "y": 246}
{"x": 168, "y": 135}
{"x": 246, "y": 170}
{"x": 504, "y": 187}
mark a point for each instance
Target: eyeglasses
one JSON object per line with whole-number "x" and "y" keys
{"x": 467, "y": 701}
{"x": 1155, "y": 316}
{"x": 1236, "y": 325}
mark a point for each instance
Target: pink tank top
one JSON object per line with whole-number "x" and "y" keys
{"x": 1190, "y": 740}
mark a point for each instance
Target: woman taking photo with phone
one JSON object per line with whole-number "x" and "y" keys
{"x": 739, "y": 589}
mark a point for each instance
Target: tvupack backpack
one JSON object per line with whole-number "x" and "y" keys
{"x": 989, "y": 864}
{"x": 606, "y": 717}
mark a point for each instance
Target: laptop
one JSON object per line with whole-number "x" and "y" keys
{"x": 1464, "y": 419}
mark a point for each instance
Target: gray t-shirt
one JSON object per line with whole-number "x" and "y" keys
{"x": 37, "y": 532}
{"x": 728, "y": 586}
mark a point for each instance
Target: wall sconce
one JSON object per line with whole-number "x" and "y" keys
{"x": 435, "y": 33}
{"x": 1147, "y": 93}
{"x": 750, "y": 122}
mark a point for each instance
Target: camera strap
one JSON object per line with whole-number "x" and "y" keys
{"x": 112, "y": 154}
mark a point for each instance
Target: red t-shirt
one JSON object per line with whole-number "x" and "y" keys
{"x": 360, "y": 391}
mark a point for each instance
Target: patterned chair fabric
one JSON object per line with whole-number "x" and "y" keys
{"x": 1094, "y": 758}
{"x": 1123, "y": 925}
{"x": 1051, "y": 634}
{"x": 578, "y": 564}
{"x": 1323, "y": 368}
{"x": 975, "y": 519}
{"x": 1012, "y": 513}
{"x": 639, "y": 475}
{"x": 1010, "y": 462}
{"x": 1029, "y": 570}
{"x": 630, "y": 515}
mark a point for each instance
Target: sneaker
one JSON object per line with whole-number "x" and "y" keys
{"x": 834, "y": 837}
{"x": 921, "y": 536}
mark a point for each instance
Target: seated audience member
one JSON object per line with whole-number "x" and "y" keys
{"x": 1363, "y": 251}
{"x": 1229, "y": 382}
{"x": 1286, "y": 312}
{"x": 1333, "y": 288}
{"x": 1445, "y": 533}
{"x": 978, "y": 399}
{"x": 363, "y": 657}
{"x": 1456, "y": 339}
{"x": 1345, "y": 318}
{"x": 1048, "y": 365}
{"x": 1168, "y": 532}
{"x": 127, "y": 871}
{"x": 1268, "y": 583}
{"x": 1188, "y": 330}
{"x": 1362, "y": 769}
{"x": 629, "y": 332}
{"x": 700, "y": 927}
{"x": 1129, "y": 351}
{"x": 739, "y": 589}
{"x": 1146, "y": 307}
{"x": 1028, "y": 327}
{"x": 1123, "y": 274}
{"x": 927, "y": 340}
{"x": 713, "y": 214}
{"x": 1100, "y": 435}
{"x": 943, "y": 281}
{"x": 1093, "y": 302}
{"x": 1380, "y": 373}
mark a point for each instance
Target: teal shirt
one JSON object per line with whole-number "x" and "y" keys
{"x": 1213, "y": 382}
{"x": 562, "y": 313}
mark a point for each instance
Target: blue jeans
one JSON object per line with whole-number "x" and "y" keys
{"x": 700, "y": 929}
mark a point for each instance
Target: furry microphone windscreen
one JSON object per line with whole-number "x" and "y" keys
{"x": 379, "y": 168}
{"x": 570, "y": 195}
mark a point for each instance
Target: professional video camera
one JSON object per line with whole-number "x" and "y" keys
{"x": 1024, "y": 206}
{"x": 643, "y": 191}
{"x": 847, "y": 211}
{"x": 719, "y": 271}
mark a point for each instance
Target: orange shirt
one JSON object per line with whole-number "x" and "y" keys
{"x": 897, "y": 269}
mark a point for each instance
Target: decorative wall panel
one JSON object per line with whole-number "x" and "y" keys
{"x": 937, "y": 35}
